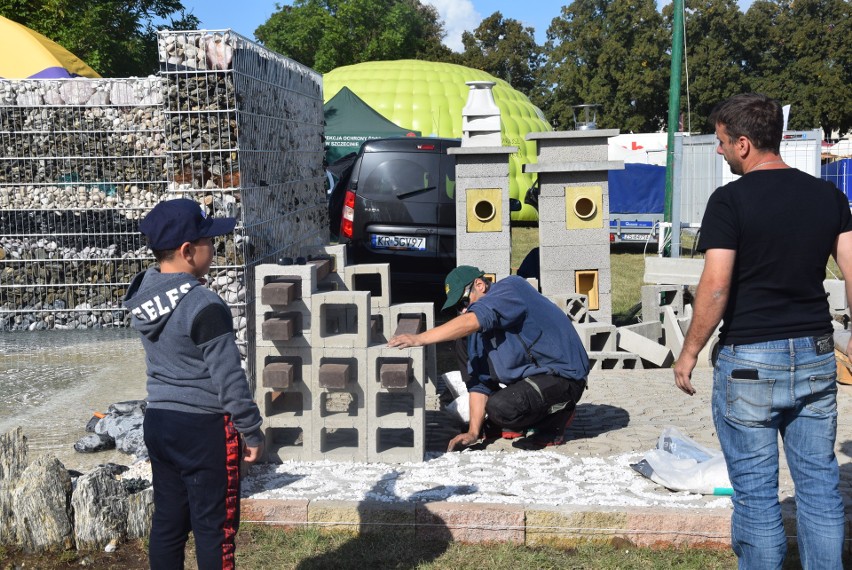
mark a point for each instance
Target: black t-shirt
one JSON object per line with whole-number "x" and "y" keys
{"x": 783, "y": 224}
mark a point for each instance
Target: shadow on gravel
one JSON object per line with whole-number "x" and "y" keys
{"x": 592, "y": 420}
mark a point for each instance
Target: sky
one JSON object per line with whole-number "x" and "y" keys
{"x": 245, "y": 16}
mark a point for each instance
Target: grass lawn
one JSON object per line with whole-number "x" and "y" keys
{"x": 265, "y": 547}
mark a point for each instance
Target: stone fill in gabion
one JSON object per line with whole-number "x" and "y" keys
{"x": 226, "y": 122}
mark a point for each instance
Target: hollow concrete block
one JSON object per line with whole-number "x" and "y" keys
{"x": 355, "y": 306}
{"x": 597, "y": 336}
{"x": 614, "y": 361}
{"x": 396, "y": 435}
{"x": 379, "y": 272}
{"x": 425, "y": 312}
{"x": 655, "y": 297}
{"x": 646, "y": 349}
{"x": 673, "y": 333}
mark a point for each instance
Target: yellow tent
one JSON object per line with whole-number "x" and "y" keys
{"x": 25, "y": 54}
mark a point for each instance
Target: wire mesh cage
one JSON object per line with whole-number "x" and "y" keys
{"x": 81, "y": 160}
{"x": 227, "y": 123}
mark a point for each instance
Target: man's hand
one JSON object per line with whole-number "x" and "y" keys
{"x": 252, "y": 454}
{"x": 463, "y": 440}
{"x": 405, "y": 340}
{"x": 683, "y": 372}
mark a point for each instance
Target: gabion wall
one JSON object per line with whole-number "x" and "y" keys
{"x": 227, "y": 123}
{"x": 80, "y": 161}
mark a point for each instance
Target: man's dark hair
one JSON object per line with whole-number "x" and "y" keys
{"x": 754, "y": 116}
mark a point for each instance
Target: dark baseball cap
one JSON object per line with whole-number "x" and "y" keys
{"x": 456, "y": 281}
{"x": 172, "y": 223}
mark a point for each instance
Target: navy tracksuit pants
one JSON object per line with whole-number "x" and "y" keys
{"x": 195, "y": 460}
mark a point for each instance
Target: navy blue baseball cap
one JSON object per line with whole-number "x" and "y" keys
{"x": 172, "y": 223}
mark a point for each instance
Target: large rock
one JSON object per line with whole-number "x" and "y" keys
{"x": 140, "y": 512}
{"x": 13, "y": 462}
{"x": 41, "y": 511}
{"x": 100, "y": 509}
{"x": 13, "y": 454}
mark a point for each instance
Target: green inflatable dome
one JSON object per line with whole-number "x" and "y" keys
{"x": 428, "y": 97}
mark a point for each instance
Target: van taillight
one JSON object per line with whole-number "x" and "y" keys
{"x": 348, "y": 214}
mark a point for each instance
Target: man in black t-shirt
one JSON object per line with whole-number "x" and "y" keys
{"x": 767, "y": 237}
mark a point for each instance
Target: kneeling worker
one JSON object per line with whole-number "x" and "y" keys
{"x": 517, "y": 338}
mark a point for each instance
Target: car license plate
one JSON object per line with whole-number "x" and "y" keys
{"x": 635, "y": 237}
{"x": 399, "y": 242}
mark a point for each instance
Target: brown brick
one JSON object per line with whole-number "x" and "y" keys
{"x": 408, "y": 325}
{"x": 323, "y": 268}
{"x": 278, "y": 328}
{"x": 394, "y": 374}
{"x": 332, "y": 375}
{"x": 278, "y": 375}
{"x": 279, "y": 293}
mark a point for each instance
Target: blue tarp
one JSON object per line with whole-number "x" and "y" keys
{"x": 840, "y": 173}
{"x": 638, "y": 189}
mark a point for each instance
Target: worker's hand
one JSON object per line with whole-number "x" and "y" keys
{"x": 463, "y": 440}
{"x": 252, "y": 454}
{"x": 405, "y": 340}
{"x": 849, "y": 348}
{"x": 683, "y": 372}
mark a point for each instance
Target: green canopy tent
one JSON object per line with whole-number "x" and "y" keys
{"x": 349, "y": 122}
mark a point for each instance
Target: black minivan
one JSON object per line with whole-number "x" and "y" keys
{"x": 396, "y": 204}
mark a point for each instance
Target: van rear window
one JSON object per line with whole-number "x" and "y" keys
{"x": 405, "y": 175}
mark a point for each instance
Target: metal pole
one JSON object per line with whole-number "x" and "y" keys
{"x": 674, "y": 106}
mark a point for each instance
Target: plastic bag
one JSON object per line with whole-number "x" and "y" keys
{"x": 460, "y": 406}
{"x": 680, "y": 463}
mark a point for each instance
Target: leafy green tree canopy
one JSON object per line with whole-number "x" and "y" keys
{"x": 506, "y": 49}
{"x": 325, "y": 34}
{"x": 612, "y": 53}
{"x": 801, "y": 54}
{"x": 714, "y": 58}
{"x": 116, "y": 38}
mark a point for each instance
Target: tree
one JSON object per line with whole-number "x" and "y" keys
{"x": 325, "y": 34}
{"x": 116, "y": 38}
{"x": 714, "y": 57}
{"x": 609, "y": 52}
{"x": 799, "y": 53}
{"x": 505, "y": 49}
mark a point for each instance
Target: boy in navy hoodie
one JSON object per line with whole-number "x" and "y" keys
{"x": 199, "y": 402}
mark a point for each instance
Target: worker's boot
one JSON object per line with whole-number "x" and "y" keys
{"x": 493, "y": 431}
{"x": 549, "y": 432}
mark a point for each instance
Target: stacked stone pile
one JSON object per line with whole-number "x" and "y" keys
{"x": 44, "y": 507}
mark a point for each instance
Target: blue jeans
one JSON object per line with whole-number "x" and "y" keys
{"x": 759, "y": 391}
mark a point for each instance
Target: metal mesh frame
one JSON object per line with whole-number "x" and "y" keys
{"x": 228, "y": 123}
{"x": 81, "y": 161}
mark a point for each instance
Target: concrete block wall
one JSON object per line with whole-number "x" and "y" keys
{"x": 326, "y": 383}
{"x": 396, "y": 426}
{"x": 483, "y": 239}
{"x": 574, "y": 216}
